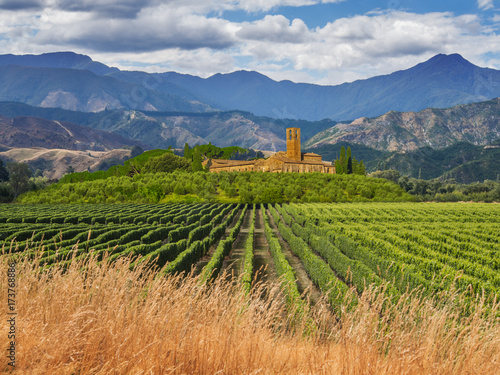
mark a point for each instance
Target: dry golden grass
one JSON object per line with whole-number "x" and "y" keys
{"x": 110, "y": 320}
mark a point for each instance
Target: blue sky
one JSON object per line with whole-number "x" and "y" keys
{"x": 317, "y": 41}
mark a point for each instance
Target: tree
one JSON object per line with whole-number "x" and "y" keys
{"x": 346, "y": 162}
{"x": 349, "y": 165}
{"x": 19, "y": 177}
{"x": 5, "y": 192}
{"x": 187, "y": 154}
{"x": 361, "y": 168}
{"x": 4, "y": 174}
{"x": 69, "y": 170}
{"x": 342, "y": 161}
{"x": 166, "y": 163}
{"x": 389, "y": 174}
{"x": 197, "y": 166}
{"x": 136, "y": 151}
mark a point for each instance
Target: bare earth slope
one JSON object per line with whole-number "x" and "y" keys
{"x": 54, "y": 162}
{"x": 476, "y": 123}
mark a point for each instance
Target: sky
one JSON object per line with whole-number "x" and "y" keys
{"x": 325, "y": 42}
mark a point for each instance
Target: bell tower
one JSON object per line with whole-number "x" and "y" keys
{"x": 293, "y": 144}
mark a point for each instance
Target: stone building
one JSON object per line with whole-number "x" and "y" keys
{"x": 293, "y": 160}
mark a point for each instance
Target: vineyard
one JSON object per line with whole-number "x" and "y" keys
{"x": 342, "y": 247}
{"x": 203, "y": 288}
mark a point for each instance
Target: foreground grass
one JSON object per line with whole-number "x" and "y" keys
{"x": 101, "y": 318}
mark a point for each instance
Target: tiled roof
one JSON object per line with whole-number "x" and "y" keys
{"x": 230, "y": 163}
{"x": 290, "y": 161}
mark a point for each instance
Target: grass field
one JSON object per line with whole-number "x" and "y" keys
{"x": 366, "y": 288}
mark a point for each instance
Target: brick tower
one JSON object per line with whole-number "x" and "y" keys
{"x": 293, "y": 144}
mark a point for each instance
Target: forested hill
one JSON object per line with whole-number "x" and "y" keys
{"x": 246, "y": 187}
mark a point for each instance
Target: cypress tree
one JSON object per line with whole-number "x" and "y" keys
{"x": 338, "y": 167}
{"x": 186, "y": 151}
{"x": 349, "y": 166}
{"x": 197, "y": 166}
{"x": 361, "y": 168}
{"x": 345, "y": 162}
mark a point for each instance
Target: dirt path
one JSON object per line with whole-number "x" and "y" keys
{"x": 69, "y": 132}
{"x": 304, "y": 283}
{"x": 263, "y": 263}
{"x": 233, "y": 264}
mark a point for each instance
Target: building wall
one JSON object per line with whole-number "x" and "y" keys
{"x": 293, "y": 144}
{"x": 313, "y": 158}
{"x": 275, "y": 165}
{"x": 280, "y": 162}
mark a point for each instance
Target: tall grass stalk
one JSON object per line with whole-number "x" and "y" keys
{"x": 104, "y": 318}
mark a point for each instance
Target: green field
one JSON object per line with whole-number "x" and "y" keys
{"x": 341, "y": 247}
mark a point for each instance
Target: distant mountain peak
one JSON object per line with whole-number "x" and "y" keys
{"x": 241, "y": 74}
{"x": 65, "y": 60}
{"x": 447, "y": 60}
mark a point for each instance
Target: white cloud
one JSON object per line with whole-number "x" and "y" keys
{"x": 346, "y": 48}
{"x": 485, "y": 4}
{"x": 130, "y": 8}
{"x": 265, "y": 5}
{"x": 275, "y": 29}
{"x": 153, "y": 29}
{"x": 187, "y": 36}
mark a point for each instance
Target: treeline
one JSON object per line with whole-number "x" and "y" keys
{"x": 18, "y": 178}
{"x": 146, "y": 162}
{"x": 346, "y": 163}
{"x": 441, "y": 190}
{"x": 213, "y": 152}
{"x": 234, "y": 187}
{"x": 158, "y": 160}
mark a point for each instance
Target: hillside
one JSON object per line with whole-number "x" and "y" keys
{"x": 245, "y": 187}
{"x": 476, "y": 123}
{"x": 72, "y": 81}
{"x": 28, "y": 132}
{"x": 464, "y": 162}
{"x": 163, "y": 129}
{"x": 54, "y": 162}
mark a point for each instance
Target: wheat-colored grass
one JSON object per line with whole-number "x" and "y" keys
{"x": 101, "y": 318}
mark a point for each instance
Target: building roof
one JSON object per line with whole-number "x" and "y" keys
{"x": 290, "y": 161}
{"x": 229, "y": 163}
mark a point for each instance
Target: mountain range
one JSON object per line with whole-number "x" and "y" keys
{"x": 439, "y": 115}
{"x": 163, "y": 129}
{"x": 71, "y": 81}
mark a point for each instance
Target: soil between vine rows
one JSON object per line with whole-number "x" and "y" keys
{"x": 263, "y": 264}
{"x": 304, "y": 283}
